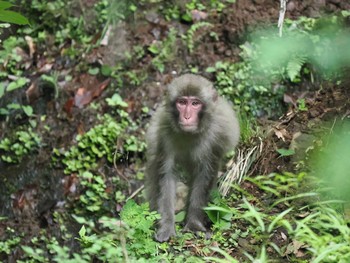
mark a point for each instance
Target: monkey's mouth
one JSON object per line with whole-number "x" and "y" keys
{"x": 184, "y": 124}
{"x": 186, "y": 127}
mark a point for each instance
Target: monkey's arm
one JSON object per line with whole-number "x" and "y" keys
{"x": 166, "y": 208}
{"x": 161, "y": 189}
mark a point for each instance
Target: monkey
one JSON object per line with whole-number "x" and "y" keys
{"x": 188, "y": 136}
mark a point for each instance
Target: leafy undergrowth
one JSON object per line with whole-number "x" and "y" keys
{"x": 78, "y": 87}
{"x": 266, "y": 219}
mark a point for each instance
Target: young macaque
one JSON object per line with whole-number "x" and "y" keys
{"x": 187, "y": 138}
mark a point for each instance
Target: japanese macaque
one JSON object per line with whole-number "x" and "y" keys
{"x": 187, "y": 138}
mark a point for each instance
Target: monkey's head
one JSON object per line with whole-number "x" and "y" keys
{"x": 190, "y": 98}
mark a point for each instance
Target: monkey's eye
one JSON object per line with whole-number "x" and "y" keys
{"x": 196, "y": 103}
{"x": 182, "y": 102}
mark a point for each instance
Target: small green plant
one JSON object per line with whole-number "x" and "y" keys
{"x": 12, "y": 241}
{"x": 285, "y": 152}
{"x": 128, "y": 238}
{"x": 219, "y": 212}
{"x": 294, "y": 67}
{"x": 217, "y": 5}
{"x": 248, "y": 127}
{"x": 116, "y": 100}
{"x": 9, "y": 57}
{"x": 14, "y": 149}
{"x": 6, "y": 91}
{"x": 189, "y": 37}
{"x": 96, "y": 143}
{"x": 302, "y": 105}
{"x": 95, "y": 192}
{"x": 164, "y": 51}
{"x": 172, "y": 12}
{"x": 100, "y": 141}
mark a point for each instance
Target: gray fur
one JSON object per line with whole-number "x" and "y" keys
{"x": 193, "y": 157}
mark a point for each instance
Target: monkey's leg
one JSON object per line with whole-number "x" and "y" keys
{"x": 196, "y": 219}
{"x": 166, "y": 208}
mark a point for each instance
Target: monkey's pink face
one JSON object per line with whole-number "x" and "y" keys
{"x": 189, "y": 109}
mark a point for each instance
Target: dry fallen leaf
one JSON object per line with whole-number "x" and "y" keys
{"x": 281, "y": 133}
{"x": 31, "y": 45}
{"x": 198, "y": 15}
{"x": 68, "y": 107}
{"x": 84, "y": 96}
{"x": 33, "y": 92}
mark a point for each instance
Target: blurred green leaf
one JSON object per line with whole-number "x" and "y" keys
{"x": 285, "y": 152}
{"x": 13, "y": 17}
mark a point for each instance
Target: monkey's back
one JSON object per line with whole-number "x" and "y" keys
{"x": 226, "y": 122}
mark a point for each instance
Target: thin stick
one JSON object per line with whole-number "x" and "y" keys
{"x": 283, "y": 8}
{"x": 135, "y": 193}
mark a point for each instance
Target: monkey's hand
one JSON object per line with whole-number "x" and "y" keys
{"x": 164, "y": 233}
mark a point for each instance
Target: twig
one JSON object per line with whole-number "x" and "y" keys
{"x": 135, "y": 193}
{"x": 283, "y": 7}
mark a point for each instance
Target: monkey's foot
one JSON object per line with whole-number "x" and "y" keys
{"x": 164, "y": 234}
{"x": 195, "y": 225}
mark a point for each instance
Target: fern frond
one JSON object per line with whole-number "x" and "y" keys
{"x": 294, "y": 66}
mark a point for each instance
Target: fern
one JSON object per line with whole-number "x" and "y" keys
{"x": 189, "y": 37}
{"x": 294, "y": 66}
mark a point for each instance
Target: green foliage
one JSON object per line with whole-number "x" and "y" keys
{"x": 99, "y": 142}
{"x": 129, "y": 239}
{"x": 239, "y": 83}
{"x": 331, "y": 163}
{"x": 217, "y": 5}
{"x": 251, "y": 84}
{"x": 285, "y": 152}
{"x": 308, "y": 41}
{"x": 135, "y": 78}
{"x": 317, "y": 227}
{"x": 12, "y": 241}
{"x": 294, "y": 67}
{"x": 111, "y": 11}
{"x": 302, "y": 105}
{"x": 219, "y": 212}
{"x": 326, "y": 234}
{"x": 116, "y": 100}
{"x": 227, "y": 257}
{"x": 248, "y": 127}
{"x": 10, "y": 16}
{"x": 55, "y": 18}
{"x": 21, "y": 144}
{"x": 5, "y": 91}
{"x": 164, "y": 50}
{"x": 9, "y": 57}
{"x": 140, "y": 220}
{"x": 189, "y": 37}
{"x": 95, "y": 192}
